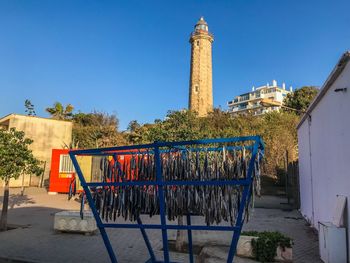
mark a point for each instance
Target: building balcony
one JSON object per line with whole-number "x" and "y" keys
{"x": 248, "y": 107}
{"x": 236, "y": 102}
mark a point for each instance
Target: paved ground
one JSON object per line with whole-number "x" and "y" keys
{"x": 39, "y": 243}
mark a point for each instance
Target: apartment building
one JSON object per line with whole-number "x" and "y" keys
{"x": 250, "y": 102}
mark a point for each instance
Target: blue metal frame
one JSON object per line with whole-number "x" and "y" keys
{"x": 163, "y": 226}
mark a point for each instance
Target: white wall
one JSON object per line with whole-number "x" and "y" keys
{"x": 306, "y": 201}
{"x": 329, "y": 169}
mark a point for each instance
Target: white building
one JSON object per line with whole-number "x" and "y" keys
{"x": 324, "y": 149}
{"x": 250, "y": 102}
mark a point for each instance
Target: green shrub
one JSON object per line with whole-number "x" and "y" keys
{"x": 264, "y": 247}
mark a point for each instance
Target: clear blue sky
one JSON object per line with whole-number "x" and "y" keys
{"x": 132, "y": 58}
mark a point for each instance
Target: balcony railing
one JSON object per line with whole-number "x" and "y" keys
{"x": 198, "y": 32}
{"x": 247, "y": 107}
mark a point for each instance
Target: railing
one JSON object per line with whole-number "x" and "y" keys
{"x": 248, "y": 107}
{"x": 201, "y": 32}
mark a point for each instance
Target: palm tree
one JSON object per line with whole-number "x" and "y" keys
{"x": 59, "y": 112}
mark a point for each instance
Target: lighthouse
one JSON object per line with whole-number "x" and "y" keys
{"x": 201, "y": 86}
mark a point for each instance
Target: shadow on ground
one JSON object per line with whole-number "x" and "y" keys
{"x": 18, "y": 200}
{"x": 39, "y": 242}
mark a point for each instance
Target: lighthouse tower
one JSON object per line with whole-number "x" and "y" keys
{"x": 201, "y": 87}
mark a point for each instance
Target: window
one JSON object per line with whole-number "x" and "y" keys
{"x": 244, "y": 97}
{"x": 66, "y": 165}
{"x": 243, "y": 105}
{"x": 197, "y": 42}
{"x": 196, "y": 88}
{"x": 271, "y": 90}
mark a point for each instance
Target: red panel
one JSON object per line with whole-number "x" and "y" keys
{"x": 57, "y": 183}
{"x": 61, "y": 185}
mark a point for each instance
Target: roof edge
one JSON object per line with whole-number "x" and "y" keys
{"x": 8, "y": 116}
{"x": 338, "y": 69}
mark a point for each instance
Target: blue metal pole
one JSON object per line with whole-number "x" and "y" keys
{"x": 161, "y": 203}
{"x": 166, "y": 144}
{"x": 172, "y": 227}
{"x": 171, "y": 149}
{"x": 245, "y": 198}
{"x": 148, "y": 244}
{"x": 172, "y": 183}
{"x": 189, "y": 234}
{"x": 104, "y": 235}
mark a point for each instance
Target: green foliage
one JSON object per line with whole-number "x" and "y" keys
{"x": 29, "y": 108}
{"x": 264, "y": 247}
{"x": 15, "y": 156}
{"x": 15, "y": 159}
{"x": 301, "y": 98}
{"x": 177, "y": 126}
{"x": 278, "y": 129}
{"x": 133, "y": 134}
{"x": 96, "y": 129}
{"x": 90, "y": 130}
{"x": 133, "y": 126}
{"x": 59, "y": 112}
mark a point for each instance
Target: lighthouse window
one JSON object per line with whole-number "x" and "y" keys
{"x": 196, "y": 88}
{"x": 197, "y": 42}
{"x": 202, "y": 27}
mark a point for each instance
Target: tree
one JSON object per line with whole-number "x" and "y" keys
{"x": 133, "y": 126}
{"x": 15, "y": 159}
{"x": 278, "y": 130}
{"x": 96, "y": 129}
{"x": 279, "y": 133}
{"x": 29, "y": 108}
{"x": 301, "y": 98}
{"x": 177, "y": 126}
{"x": 134, "y": 132}
{"x": 59, "y": 112}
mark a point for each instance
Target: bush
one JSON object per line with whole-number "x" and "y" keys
{"x": 265, "y": 246}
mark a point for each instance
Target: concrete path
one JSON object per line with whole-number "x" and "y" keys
{"x": 39, "y": 243}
